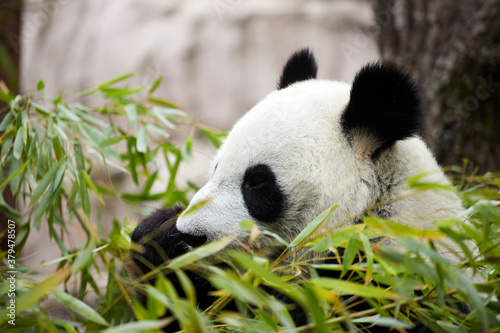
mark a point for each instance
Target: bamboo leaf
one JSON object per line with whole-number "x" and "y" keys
{"x": 343, "y": 287}
{"x": 391, "y": 228}
{"x": 111, "y": 141}
{"x": 37, "y": 292}
{"x": 162, "y": 118}
{"x": 131, "y": 158}
{"x": 18, "y": 171}
{"x": 18, "y": 143}
{"x": 64, "y": 112}
{"x": 92, "y": 186}
{"x": 155, "y": 85}
{"x": 115, "y": 80}
{"x": 80, "y": 307}
{"x": 40, "y": 85}
{"x": 162, "y": 102}
{"x": 47, "y": 179}
{"x": 141, "y": 144}
{"x": 313, "y": 226}
{"x": 131, "y": 110}
{"x": 84, "y": 194}
{"x": 41, "y": 108}
{"x": 140, "y": 326}
{"x": 200, "y": 252}
{"x": 58, "y": 149}
{"x": 5, "y": 122}
{"x": 84, "y": 256}
{"x": 349, "y": 254}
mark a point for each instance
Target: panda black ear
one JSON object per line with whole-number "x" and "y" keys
{"x": 385, "y": 106}
{"x": 300, "y": 66}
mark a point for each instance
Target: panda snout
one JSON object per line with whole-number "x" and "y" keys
{"x": 193, "y": 240}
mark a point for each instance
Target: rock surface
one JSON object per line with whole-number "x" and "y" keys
{"x": 218, "y": 57}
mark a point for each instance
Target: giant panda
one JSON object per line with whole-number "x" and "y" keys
{"x": 309, "y": 144}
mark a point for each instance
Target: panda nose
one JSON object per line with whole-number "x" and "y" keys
{"x": 193, "y": 240}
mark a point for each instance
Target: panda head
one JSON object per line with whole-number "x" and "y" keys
{"x": 306, "y": 146}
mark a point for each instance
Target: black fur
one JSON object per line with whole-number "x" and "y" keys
{"x": 264, "y": 198}
{"x": 301, "y": 66}
{"x": 193, "y": 240}
{"x": 160, "y": 241}
{"x": 385, "y": 102}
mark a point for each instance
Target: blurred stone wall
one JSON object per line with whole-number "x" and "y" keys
{"x": 218, "y": 58}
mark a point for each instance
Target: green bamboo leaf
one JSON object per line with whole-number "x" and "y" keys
{"x": 131, "y": 110}
{"x": 18, "y": 143}
{"x": 391, "y": 228}
{"x": 157, "y": 130}
{"x": 47, "y": 179}
{"x": 80, "y": 161}
{"x": 40, "y": 85}
{"x": 315, "y": 310}
{"x": 58, "y": 99}
{"x": 58, "y": 149}
{"x": 60, "y": 131}
{"x": 111, "y": 141}
{"x": 66, "y": 113}
{"x": 92, "y": 186}
{"x": 170, "y": 112}
{"x": 87, "y": 92}
{"x": 92, "y": 133}
{"x": 200, "y": 252}
{"x": 186, "y": 150}
{"x": 369, "y": 256}
{"x": 155, "y": 85}
{"x": 6, "y": 145}
{"x": 84, "y": 194}
{"x": 139, "y": 326}
{"x": 5, "y": 122}
{"x": 349, "y": 254}
{"x": 343, "y": 287}
{"x": 261, "y": 270}
{"x": 239, "y": 289}
{"x": 313, "y": 226}
{"x": 344, "y": 235}
{"x": 131, "y": 158}
{"x": 18, "y": 171}
{"x": 162, "y": 102}
{"x": 149, "y": 183}
{"x": 141, "y": 144}
{"x": 37, "y": 292}
{"x": 6, "y": 96}
{"x": 162, "y": 118}
{"x": 81, "y": 308}
{"x": 112, "y": 81}
{"x": 41, "y": 108}
{"x": 120, "y": 92}
{"x": 72, "y": 195}
{"x": 383, "y": 321}
{"x": 415, "y": 182}
{"x": 43, "y": 206}
{"x": 84, "y": 257}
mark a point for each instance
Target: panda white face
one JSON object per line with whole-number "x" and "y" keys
{"x": 306, "y": 146}
{"x": 282, "y": 164}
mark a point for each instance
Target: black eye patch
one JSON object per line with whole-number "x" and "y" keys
{"x": 263, "y": 196}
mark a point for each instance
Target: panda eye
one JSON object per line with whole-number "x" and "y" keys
{"x": 256, "y": 180}
{"x": 257, "y": 176}
{"x": 262, "y": 194}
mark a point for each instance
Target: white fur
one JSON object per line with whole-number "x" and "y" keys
{"x": 297, "y": 132}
